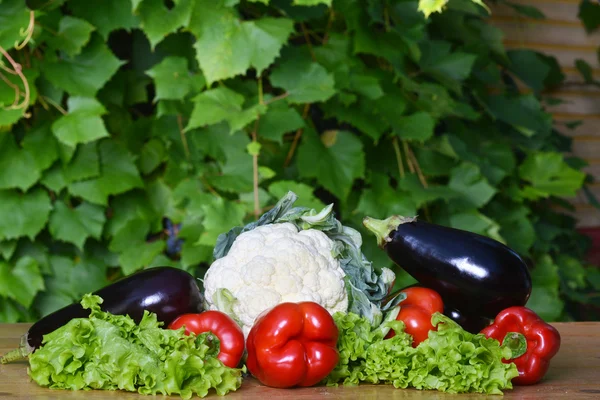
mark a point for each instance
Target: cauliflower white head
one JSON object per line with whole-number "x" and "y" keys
{"x": 276, "y": 263}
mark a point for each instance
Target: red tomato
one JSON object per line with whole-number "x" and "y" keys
{"x": 228, "y": 332}
{"x": 416, "y": 311}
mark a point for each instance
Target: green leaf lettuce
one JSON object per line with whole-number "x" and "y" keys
{"x": 450, "y": 360}
{"x": 111, "y": 352}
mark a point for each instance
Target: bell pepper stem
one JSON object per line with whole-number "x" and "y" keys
{"x": 516, "y": 342}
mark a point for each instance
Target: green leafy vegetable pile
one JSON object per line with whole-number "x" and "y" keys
{"x": 111, "y": 352}
{"x": 133, "y": 133}
{"x": 450, "y": 360}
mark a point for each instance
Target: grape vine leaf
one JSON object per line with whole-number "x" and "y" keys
{"x": 171, "y": 78}
{"x": 418, "y": 126}
{"x": 362, "y": 115}
{"x": 18, "y": 168}
{"x": 219, "y": 217}
{"x": 312, "y": 2}
{"x": 473, "y": 221}
{"x": 227, "y": 47}
{"x": 105, "y": 15}
{"x": 545, "y": 299}
{"x": 421, "y": 195}
{"x": 76, "y": 225}
{"x": 530, "y": 67}
{"x": 73, "y": 34}
{"x": 23, "y": 214}
{"x": 381, "y": 200}
{"x": 446, "y": 65}
{"x": 334, "y": 159}
{"x": 466, "y": 179}
{"x": 7, "y": 248}
{"x": 14, "y": 19}
{"x": 589, "y": 14}
{"x": 306, "y": 197}
{"x": 85, "y": 164}
{"x": 119, "y": 174}
{"x": 21, "y": 282}
{"x": 130, "y": 242}
{"x": 235, "y": 164}
{"x": 42, "y": 145}
{"x": 279, "y": 120}
{"x": 82, "y": 124}
{"x": 222, "y": 104}
{"x": 86, "y": 73}
{"x": 524, "y": 112}
{"x": 304, "y": 81}
{"x": 153, "y": 153}
{"x": 549, "y": 175}
{"x": 157, "y": 21}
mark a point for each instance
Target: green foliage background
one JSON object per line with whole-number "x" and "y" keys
{"x": 206, "y": 112}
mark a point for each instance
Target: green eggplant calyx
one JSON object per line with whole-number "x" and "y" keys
{"x": 383, "y": 227}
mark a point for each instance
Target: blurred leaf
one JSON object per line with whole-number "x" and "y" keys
{"x": 227, "y": 47}
{"x": 18, "y": 167}
{"x": 524, "y": 112}
{"x": 222, "y": 104}
{"x": 418, "y": 126}
{"x": 171, "y": 78}
{"x": 306, "y": 197}
{"x": 380, "y": 200}
{"x": 84, "y": 74}
{"x": 77, "y": 224}
{"x": 105, "y": 15}
{"x": 544, "y": 299}
{"x": 467, "y": 180}
{"x": 279, "y": 120}
{"x": 23, "y": 214}
{"x": 22, "y": 281}
{"x": 303, "y": 80}
{"x": 82, "y": 124}
{"x": 526, "y": 10}
{"x": 589, "y": 14}
{"x": 549, "y": 175}
{"x": 529, "y": 67}
{"x": 335, "y": 162}
{"x": 14, "y": 18}
{"x": 73, "y": 34}
{"x": 157, "y": 21}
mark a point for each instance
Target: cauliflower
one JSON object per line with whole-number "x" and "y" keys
{"x": 277, "y": 263}
{"x": 294, "y": 254}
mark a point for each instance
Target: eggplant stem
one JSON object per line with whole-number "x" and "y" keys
{"x": 383, "y": 227}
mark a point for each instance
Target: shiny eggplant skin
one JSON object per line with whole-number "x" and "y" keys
{"x": 166, "y": 291}
{"x": 474, "y": 274}
{"x": 470, "y": 323}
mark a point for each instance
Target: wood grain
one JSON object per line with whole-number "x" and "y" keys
{"x": 574, "y": 374}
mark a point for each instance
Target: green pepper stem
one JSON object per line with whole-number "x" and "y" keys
{"x": 517, "y": 344}
{"x": 383, "y": 227}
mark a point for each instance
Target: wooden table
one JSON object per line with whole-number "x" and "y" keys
{"x": 574, "y": 374}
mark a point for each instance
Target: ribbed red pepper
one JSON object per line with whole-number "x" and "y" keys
{"x": 543, "y": 341}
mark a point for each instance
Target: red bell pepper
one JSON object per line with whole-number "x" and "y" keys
{"x": 230, "y": 335}
{"x": 416, "y": 311}
{"x": 292, "y": 344}
{"x": 543, "y": 341}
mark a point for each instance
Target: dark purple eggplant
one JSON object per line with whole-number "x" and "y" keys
{"x": 473, "y": 273}
{"x": 168, "y": 292}
{"x": 470, "y": 323}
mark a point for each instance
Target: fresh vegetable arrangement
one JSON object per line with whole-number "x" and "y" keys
{"x": 295, "y": 264}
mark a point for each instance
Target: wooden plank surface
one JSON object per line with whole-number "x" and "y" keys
{"x": 574, "y": 374}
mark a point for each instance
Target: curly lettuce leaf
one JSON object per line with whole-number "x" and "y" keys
{"x": 366, "y": 286}
{"x": 451, "y": 359}
{"x": 112, "y": 352}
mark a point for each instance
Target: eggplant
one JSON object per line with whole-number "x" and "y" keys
{"x": 470, "y": 323}
{"x": 475, "y": 275}
{"x": 168, "y": 292}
